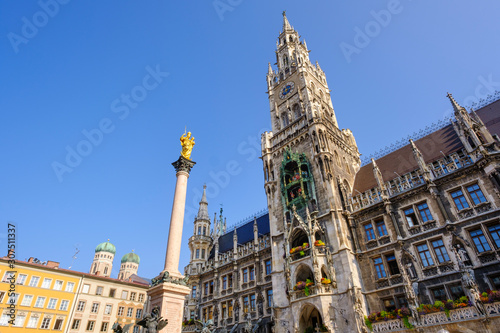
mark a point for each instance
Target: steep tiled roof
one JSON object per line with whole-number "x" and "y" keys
{"x": 245, "y": 234}
{"x": 433, "y": 146}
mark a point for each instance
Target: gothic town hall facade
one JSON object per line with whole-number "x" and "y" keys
{"x": 341, "y": 240}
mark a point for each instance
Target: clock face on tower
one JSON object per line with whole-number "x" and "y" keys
{"x": 287, "y": 89}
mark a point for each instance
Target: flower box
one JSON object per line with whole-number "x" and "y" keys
{"x": 299, "y": 249}
{"x": 319, "y": 243}
{"x": 326, "y": 281}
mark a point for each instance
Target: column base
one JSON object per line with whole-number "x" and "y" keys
{"x": 169, "y": 298}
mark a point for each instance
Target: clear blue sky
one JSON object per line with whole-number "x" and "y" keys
{"x": 71, "y": 72}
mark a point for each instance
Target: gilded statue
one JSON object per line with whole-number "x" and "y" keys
{"x": 187, "y": 143}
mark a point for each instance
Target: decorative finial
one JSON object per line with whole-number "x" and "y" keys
{"x": 108, "y": 240}
{"x": 284, "y": 13}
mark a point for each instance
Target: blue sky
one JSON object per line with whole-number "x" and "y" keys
{"x": 68, "y": 72}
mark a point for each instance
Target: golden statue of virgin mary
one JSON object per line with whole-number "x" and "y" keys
{"x": 187, "y": 143}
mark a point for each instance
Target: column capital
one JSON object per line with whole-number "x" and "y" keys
{"x": 183, "y": 165}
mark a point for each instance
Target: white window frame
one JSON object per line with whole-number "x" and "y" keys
{"x": 52, "y": 303}
{"x": 68, "y": 289}
{"x": 18, "y": 322}
{"x": 24, "y": 302}
{"x": 62, "y": 307}
{"x": 94, "y": 308}
{"x": 32, "y": 322}
{"x": 32, "y": 282}
{"x": 78, "y": 306}
{"x": 43, "y": 302}
{"x": 46, "y": 283}
{"x": 47, "y": 322}
{"x": 21, "y": 279}
{"x": 58, "y": 284}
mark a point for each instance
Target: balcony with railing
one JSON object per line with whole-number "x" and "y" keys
{"x": 411, "y": 180}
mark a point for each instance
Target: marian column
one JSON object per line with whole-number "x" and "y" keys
{"x": 182, "y": 167}
{"x": 169, "y": 289}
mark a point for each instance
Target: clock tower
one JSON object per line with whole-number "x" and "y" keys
{"x": 309, "y": 168}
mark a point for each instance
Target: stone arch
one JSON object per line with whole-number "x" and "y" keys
{"x": 324, "y": 273}
{"x": 309, "y": 316}
{"x": 303, "y": 272}
{"x": 298, "y": 237}
{"x": 337, "y": 158}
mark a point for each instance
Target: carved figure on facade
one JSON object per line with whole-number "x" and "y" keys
{"x": 329, "y": 259}
{"x": 247, "y": 328}
{"x": 204, "y": 327}
{"x": 462, "y": 256}
{"x": 357, "y": 299}
{"x": 223, "y": 328}
{"x": 411, "y": 290}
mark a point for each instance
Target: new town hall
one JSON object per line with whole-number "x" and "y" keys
{"x": 341, "y": 240}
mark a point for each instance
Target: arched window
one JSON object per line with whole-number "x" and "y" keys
{"x": 472, "y": 144}
{"x": 346, "y": 165}
{"x": 291, "y": 39}
{"x": 285, "y": 61}
{"x": 284, "y": 120}
{"x": 106, "y": 270}
{"x": 296, "y": 111}
{"x": 266, "y": 172}
{"x": 299, "y": 238}
{"x": 337, "y": 159}
{"x": 313, "y": 88}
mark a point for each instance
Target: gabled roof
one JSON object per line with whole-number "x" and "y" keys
{"x": 433, "y": 146}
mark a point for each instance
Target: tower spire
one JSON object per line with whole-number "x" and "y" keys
{"x": 420, "y": 161}
{"x": 203, "y": 210}
{"x": 454, "y": 103}
{"x": 378, "y": 177}
{"x": 286, "y": 24}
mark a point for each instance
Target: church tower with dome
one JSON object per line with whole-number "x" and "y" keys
{"x": 129, "y": 265}
{"x": 103, "y": 259}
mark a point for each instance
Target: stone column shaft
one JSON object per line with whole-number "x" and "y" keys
{"x": 183, "y": 167}
{"x": 176, "y": 223}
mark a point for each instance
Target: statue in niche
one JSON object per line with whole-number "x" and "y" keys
{"x": 462, "y": 256}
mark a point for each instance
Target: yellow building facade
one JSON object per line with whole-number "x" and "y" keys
{"x": 36, "y": 296}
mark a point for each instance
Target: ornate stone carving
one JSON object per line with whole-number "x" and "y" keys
{"x": 183, "y": 165}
